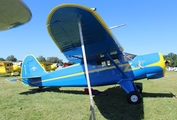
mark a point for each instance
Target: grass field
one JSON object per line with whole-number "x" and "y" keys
{"x": 19, "y": 102}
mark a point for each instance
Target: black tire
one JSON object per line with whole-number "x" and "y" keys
{"x": 40, "y": 87}
{"x": 134, "y": 97}
{"x": 139, "y": 88}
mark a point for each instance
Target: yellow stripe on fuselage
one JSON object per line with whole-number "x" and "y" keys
{"x": 127, "y": 69}
{"x": 61, "y": 77}
{"x": 73, "y": 75}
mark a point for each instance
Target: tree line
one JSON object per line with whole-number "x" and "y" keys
{"x": 40, "y": 59}
{"x": 172, "y": 59}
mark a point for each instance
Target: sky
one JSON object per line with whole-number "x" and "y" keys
{"x": 151, "y": 26}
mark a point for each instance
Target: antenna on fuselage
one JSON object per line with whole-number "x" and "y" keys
{"x": 117, "y": 26}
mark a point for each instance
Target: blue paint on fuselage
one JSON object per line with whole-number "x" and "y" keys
{"x": 74, "y": 76}
{"x": 100, "y": 74}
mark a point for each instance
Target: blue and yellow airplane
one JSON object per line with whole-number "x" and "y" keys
{"x": 107, "y": 62}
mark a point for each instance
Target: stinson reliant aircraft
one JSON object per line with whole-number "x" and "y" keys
{"x": 68, "y": 25}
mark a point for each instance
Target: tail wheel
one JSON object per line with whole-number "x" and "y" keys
{"x": 134, "y": 97}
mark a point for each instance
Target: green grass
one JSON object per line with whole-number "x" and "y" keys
{"x": 19, "y": 102}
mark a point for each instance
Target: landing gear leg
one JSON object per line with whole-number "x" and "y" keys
{"x": 139, "y": 89}
{"x": 40, "y": 88}
{"x": 133, "y": 92}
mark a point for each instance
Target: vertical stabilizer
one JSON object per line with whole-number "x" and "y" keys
{"x": 31, "y": 67}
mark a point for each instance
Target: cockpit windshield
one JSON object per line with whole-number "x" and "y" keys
{"x": 129, "y": 56}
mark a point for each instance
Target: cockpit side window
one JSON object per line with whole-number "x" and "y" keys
{"x": 130, "y": 56}
{"x": 113, "y": 52}
{"x": 101, "y": 63}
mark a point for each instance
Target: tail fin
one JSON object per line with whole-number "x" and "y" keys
{"x": 31, "y": 67}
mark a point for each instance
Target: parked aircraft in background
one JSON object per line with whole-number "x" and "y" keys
{"x": 6, "y": 67}
{"x": 49, "y": 66}
{"x": 14, "y": 68}
{"x": 17, "y": 68}
{"x": 75, "y": 28}
{"x": 10, "y": 68}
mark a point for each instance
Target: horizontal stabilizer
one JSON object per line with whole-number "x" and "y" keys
{"x": 13, "y": 79}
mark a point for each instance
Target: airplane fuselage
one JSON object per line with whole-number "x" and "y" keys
{"x": 102, "y": 72}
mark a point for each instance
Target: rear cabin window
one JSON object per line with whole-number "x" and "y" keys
{"x": 113, "y": 52}
{"x": 106, "y": 63}
{"x": 101, "y": 63}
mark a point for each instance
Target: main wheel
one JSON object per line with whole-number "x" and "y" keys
{"x": 40, "y": 87}
{"x": 134, "y": 97}
{"x": 139, "y": 88}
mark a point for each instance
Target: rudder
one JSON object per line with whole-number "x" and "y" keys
{"x": 31, "y": 67}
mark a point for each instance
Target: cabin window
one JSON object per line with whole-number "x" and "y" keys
{"x": 130, "y": 56}
{"x": 125, "y": 58}
{"x": 113, "y": 52}
{"x": 108, "y": 63}
{"x": 101, "y": 55}
{"x": 116, "y": 60}
{"x": 101, "y": 63}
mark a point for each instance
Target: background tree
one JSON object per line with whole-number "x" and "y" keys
{"x": 172, "y": 58}
{"x": 2, "y": 59}
{"x": 11, "y": 58}
{"x": 55, "y": 60}
{"x": 41, "y": 59}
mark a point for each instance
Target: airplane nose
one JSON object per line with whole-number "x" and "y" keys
{"x": 155, "y": 68}
{"x": 162, "y": 63}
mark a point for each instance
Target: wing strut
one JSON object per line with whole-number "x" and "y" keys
{"x": 123, "y": 74}
{"x": 86, "y": 70}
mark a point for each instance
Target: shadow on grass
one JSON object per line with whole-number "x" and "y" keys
{"x": 113, "y": 104}
{"x": 39, "y": 90}
{"x": 51, "y": 89}
{"x": 170, "y": 95}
